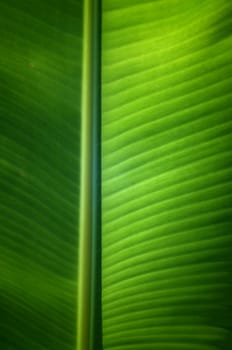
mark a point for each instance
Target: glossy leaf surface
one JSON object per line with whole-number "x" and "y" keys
{"x": 40, "y": 70}
{"x": 166, "y": 175}
{"x": 167, "y": 136}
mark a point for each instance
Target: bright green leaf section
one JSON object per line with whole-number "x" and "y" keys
{"x": 40, "y": 83}
{"x": 167, "y": 176}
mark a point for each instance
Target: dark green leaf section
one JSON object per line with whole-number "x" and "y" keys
{"x": 167, "y": 175}
{"x": 40, "y": 83}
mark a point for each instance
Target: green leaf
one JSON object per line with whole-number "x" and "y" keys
{"x": 40, "y": 70}
{"x": 167, "y": 137}
{"x": 166, "y": 175}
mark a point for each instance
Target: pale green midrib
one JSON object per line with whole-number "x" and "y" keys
{"x": 89, "y": 308}
{"x": 85, "y": 225}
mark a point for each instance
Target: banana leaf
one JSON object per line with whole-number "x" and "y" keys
{"x": 40, "y": 87}
{"x": 166, "y": 175}
{"x": 149, "y": 256}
